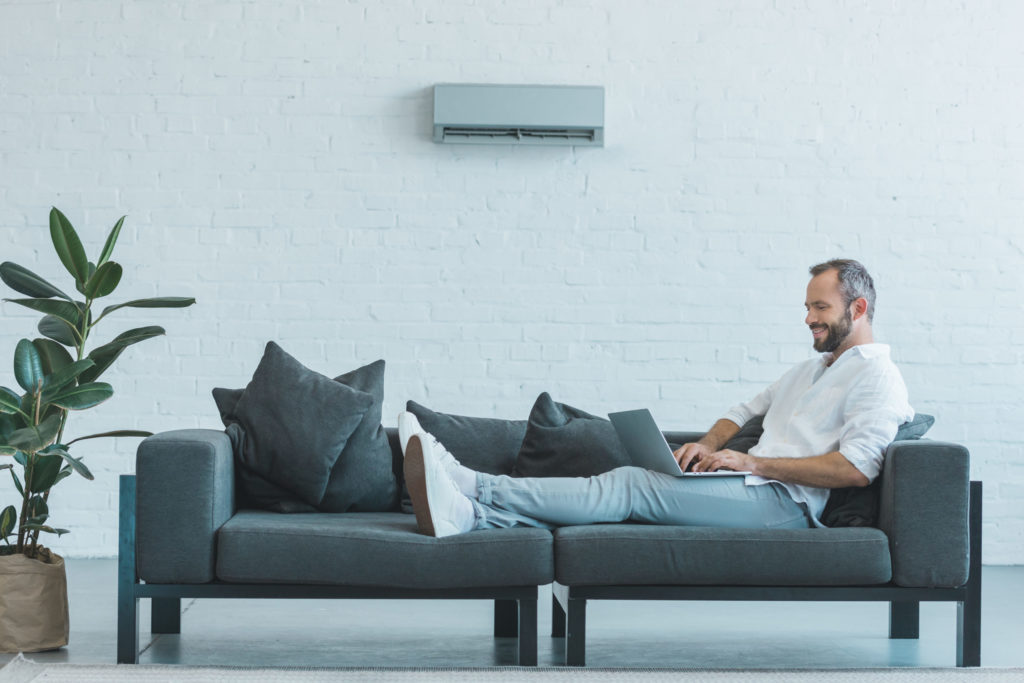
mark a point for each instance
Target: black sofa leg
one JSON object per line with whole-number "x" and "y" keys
{"x": 506, "y": 619}
{"x": 526, "y": 653}
{"x": 557, "y": 619}
{"x": 576, "y": 633}
{"x": 127, "y": 602}
{"x": 166, "y": 615}
{"x": 904, "y": 619}
{"x": 968, "y": 612}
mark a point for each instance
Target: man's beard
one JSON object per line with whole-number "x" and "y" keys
{"x": 837, "y": 334}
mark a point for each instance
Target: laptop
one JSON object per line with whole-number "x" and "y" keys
{"x": 647, "y": 447}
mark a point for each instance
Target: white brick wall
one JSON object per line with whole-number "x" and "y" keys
{"x": 275, "y": 162}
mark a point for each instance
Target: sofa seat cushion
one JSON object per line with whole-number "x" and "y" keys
{"x": 644, "y": 554}
{"x": 376, "y": 549}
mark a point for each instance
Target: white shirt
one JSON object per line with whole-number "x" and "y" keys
{"x": 853, "y": 406}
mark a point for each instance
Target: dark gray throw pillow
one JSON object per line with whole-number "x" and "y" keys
{"x": 484, "y": 444}
{"x": 294, "y": 424}
{"x": 363, "y": 479}
{"x": 252, "y": 490}
{"x": 562, "y": 441}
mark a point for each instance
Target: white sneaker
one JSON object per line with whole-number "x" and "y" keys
{"x": 441, "y": 509}
{"x": 408, "y": 426}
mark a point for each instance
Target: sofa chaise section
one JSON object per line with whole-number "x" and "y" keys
{"x": 181, "y": 536}
{"x": 927, "y": 548}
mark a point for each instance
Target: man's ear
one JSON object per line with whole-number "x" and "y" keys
{"x": 860, "y": 307}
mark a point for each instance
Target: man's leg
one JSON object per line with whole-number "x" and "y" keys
{"x": 633, "y": 494}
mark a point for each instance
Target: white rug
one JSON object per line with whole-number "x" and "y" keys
{"x": 22, "y": 670}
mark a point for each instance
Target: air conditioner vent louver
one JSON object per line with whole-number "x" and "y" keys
{"x": 552, "y": 135}
{"x": 519, "y": 114}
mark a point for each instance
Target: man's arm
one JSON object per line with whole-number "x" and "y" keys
{"x": 717, "y": 436}
{"x": 830, "y": 471}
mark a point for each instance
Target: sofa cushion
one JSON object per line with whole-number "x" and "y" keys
{"x": 483, "y": 444}
{"x": 361, "y": 479}
{"x": 562, "y": 441}
{"x": 644, "y": 554}
{"x": 376, "y": 549}
{"x": 293, "y": 424}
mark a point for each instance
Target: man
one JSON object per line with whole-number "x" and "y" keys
{"x": 827, "y": 423}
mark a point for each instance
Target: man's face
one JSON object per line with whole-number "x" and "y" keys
{"x": 829, "y": 319}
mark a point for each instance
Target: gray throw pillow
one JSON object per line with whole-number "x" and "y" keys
{"x": 484, "y": 444}
{"x": 291, "y": 424}
{"x": 915, "y": 428}
{"x": 562, "y": 441}
{"x": 364, "y": 478}
{"x": 252, "y": 490}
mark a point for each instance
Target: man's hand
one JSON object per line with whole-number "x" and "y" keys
{"x": 720, "y": 432}
{"x": 691, "y": 452}
{"x": 726, "y": 460}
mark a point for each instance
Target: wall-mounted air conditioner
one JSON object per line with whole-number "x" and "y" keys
{"x": 519, "y": 114}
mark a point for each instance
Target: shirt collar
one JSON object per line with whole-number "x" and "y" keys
{"x": 873, "y": 350}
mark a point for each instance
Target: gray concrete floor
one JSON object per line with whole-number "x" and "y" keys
{"x": 418, "y": 633}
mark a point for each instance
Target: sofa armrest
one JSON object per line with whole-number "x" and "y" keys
{"x": 924, "y": 511}
{"x": 185, "y": 492}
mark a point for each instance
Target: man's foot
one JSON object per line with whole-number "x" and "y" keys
{"x": 441, "y": 509}
{"x": 464, "y": 478}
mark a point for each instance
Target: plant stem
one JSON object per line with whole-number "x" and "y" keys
{"x": 22, "y": 531}
{"x": 86, "y": 329}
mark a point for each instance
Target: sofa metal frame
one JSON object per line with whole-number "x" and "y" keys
{"x": 569, "y": 603}
{"x": 515, "y": 607}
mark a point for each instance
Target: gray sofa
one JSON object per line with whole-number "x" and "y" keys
{"x": 181, "y": 535}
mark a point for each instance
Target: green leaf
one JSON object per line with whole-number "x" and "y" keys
{"x": 28, "y": 366}
{"x": 68, "y": 246}
{"x": 37, "y": 507}
{"x": 47, "y": 529}
{"x": 104, "y": 280}
{"x": 45, "y": 469}
{"x": 83, "y": 396}
{"x": 64, "y": 474}
{"x": 105, "y": 355}
{"x": 35, "y": 437}
{"x": 108, "y": 247}
{"x": 7, "y": 519}
{"x": 76, "y": 464}
{"x": 10, "y": 402}
{"x": 7, "y": 450}
{"x": 54, "y": 356}
{"x": 60, "y": 379}
{"x": 56, "y": 329}
{"x": 7, "y": 423}
{"x": 17, "y": 483}
{"x": 68, "y": 312}
{"x": 21, "y": 458}
{"x": 80, "y": 286}
{"x": 26, "y": 282}
{"x": 119, "y": 432}
{"x": 156, "y": 302}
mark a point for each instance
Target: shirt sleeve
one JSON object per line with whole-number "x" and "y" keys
{"x": 758, "y": 405}
{"x": 874, "y": 410}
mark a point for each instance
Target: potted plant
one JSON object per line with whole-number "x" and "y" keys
{"x": 56, "y": 375}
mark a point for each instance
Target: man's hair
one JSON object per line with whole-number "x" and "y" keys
{"x": 854, "y": 281}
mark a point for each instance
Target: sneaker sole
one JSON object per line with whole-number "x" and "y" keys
{"x": 416, "y": 482}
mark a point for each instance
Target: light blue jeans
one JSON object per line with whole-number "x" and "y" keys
{"x": 636, "y": 495}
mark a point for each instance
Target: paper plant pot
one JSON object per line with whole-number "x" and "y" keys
{"x": 33, "y": 603}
